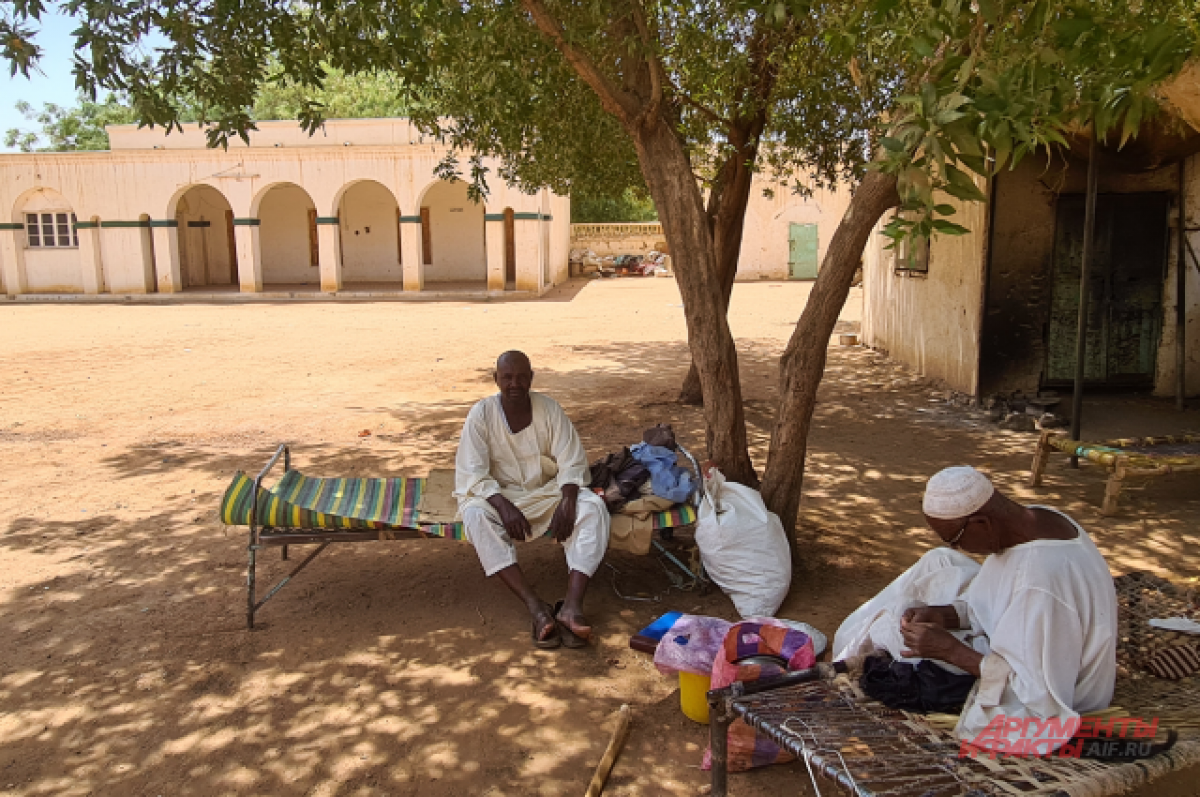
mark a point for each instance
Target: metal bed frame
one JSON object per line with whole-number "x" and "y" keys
{"x": 262, "y": 537}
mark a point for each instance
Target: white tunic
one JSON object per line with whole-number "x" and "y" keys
{"x": 1043, "y": 613}
{"x": 1049, "y": 611}
{"x": 528, "y": 468}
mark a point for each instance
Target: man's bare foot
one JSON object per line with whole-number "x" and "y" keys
{"x": 545, "y": 630}
{"x": 573, "y": 622}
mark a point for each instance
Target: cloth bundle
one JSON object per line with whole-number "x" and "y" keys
{"x": 924, "y": 687}
{"x": 620, "y": 476}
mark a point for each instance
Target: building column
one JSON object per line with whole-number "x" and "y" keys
{"x": 529, "y": 260}
{"x": 494, "y": 241}
{"x": 12, "y": 257}
{"x": 166, "y": 255}
{"x": 411, "y": 258}
{"x": 330, "y": 253}
{"x": 249, "y": 252}
{"x": 91, "y": 263}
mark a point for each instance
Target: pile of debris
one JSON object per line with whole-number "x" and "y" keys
{"x": 652, "y": 264}
{"x": 1020, "y": 413}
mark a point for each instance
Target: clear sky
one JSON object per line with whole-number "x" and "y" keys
{"x": 54, "y": 83}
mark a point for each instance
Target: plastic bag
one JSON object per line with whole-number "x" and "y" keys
{"x": 691, "y": 645}
{"x": 746, "y": 749}
{"x": 743, "y": 546}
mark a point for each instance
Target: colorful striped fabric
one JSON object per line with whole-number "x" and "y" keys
{"x": 390, "y": 503}
{"x": 302, "y": 502}
{"x": 676, "y": 516}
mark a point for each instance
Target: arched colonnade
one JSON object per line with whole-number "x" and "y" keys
{"x": 364, "y": 240}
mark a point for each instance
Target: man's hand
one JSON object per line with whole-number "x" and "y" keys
{"x": 929, "y": 641}
{"x": 941, "y": 616}
{"x": 515, "y": 522}
{"x": 562, "y": 525}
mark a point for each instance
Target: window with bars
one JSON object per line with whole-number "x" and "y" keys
{"x": 51, "y": 230}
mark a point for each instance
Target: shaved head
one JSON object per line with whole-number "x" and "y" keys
{"x": 513, "y": 358}
{"x": 514, "y": 376}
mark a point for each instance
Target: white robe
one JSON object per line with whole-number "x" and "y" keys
{"x": 1043, "y": 613}
{"x": 528, "y": 468}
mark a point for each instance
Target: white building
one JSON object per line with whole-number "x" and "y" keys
{"x": 356, "y": 208}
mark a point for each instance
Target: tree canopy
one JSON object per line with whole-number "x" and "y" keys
{"x": 901, "y": 99}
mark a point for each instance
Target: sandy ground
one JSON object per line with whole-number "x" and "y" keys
{"x": 395, "y": 668}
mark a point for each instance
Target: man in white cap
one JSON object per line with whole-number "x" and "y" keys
{"x": 1036, "y": 623}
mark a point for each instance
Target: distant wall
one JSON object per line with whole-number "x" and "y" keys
{"x": 618, "y": 239}
{"x": 773, "y": 207}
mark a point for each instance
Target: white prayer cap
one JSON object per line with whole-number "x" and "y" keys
{"x": 956, "y": 493}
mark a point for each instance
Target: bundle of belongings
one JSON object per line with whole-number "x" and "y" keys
{"x": 637, "y": 482}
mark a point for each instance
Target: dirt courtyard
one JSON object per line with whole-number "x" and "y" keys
{"x": 395, "y": 668}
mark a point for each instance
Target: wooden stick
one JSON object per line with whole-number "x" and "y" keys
{"x": 620, "y": 734}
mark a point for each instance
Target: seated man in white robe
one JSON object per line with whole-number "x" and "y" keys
{"x": 1036, "y": 623}
{"x": 520, "y": 471}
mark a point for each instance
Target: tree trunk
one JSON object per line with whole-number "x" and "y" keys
{"x": 803, "y": 362}
{"x": 727, "y": 210}
{"x": 669, "y": 177}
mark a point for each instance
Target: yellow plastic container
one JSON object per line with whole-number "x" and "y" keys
{"x": 693, "y": 696}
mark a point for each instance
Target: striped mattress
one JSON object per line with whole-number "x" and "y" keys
{"x": 305, "y": 502}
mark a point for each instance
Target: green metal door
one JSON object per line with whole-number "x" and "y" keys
{"x": 1125, "y": 302}
{"x": 802, "y": 251}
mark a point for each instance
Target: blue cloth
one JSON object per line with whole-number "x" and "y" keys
{"x": 667, "y": 479}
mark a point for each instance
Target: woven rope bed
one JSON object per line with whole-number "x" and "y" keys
{"x": 1125, "y": 459}
{"x": 859, "y": 744}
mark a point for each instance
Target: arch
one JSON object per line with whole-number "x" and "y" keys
{"x": 369, "y": 227}
{"x": 49, "y": 258}
{"x": 453, "y": 247}
{"x": 287, "y": 219}
{"x": 207, "y": 251}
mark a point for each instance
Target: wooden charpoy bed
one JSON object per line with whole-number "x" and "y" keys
{"x": 1126, "y": 459}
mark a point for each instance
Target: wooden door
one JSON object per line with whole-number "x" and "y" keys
{"x": 510, "y": 250}
{"x": 426, "y": 238}
{"x": 314, "y": 240}
{"x": 233, "y": 258}
{"x": 802, "y": 251}
{"x": 1124, "y": 320}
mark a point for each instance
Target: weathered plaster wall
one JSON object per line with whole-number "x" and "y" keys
{"x": 618, "y": 239}
{"x": 285, "y": 241}
{"x": 458, "y": 236}
{"x": 56, "y": 269}
{"x": 931, "y": 321}
{"x": 1165, "y": 379}
{"x": 204, "y": 252}
{"x": 1022, "y": 260}
{"x": 370, "y": 240}
{"x": 764, "y": 252}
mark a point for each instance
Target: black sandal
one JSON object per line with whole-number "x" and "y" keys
{"x": 551, "y": 642}
{"x": 569, "y": 638}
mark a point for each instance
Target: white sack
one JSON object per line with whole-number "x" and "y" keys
{"x": 743, "y": 546}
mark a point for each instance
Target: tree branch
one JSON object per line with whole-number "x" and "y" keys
{"x": 619, "y": 103}
{"x": 657, "y": 76}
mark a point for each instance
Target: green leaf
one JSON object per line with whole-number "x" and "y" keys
{"x": 945, "y": 210}
{"x": 892, "y": 144}
{"x": 949, "y": 227}
{"x": 990, "y": 11}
